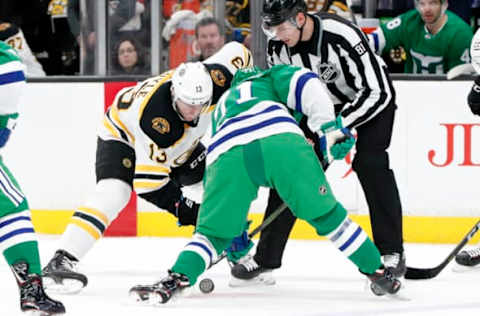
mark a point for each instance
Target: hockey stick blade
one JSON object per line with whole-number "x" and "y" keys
{"x": 430, "y": 273}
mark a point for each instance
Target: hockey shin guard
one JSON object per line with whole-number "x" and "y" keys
{"x": 349, "y": 238}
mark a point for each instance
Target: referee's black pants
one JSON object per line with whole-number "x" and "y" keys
{"x": 371, "y": 165}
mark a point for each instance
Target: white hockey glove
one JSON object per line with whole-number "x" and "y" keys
{"x": 335, "y": 140}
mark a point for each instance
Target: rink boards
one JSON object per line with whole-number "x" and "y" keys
{"x": 435, "y": 155}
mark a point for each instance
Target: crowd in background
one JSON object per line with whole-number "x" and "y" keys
{"x": 61, "y": 37}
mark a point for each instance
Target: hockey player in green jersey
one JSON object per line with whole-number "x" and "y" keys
{"x": 255, "y": 142}
{"x": 18, "y": 241}
{"x": 435, "y": 40}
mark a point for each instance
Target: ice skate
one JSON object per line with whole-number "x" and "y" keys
{"x": 60, "y": 275}
{"x": 160, "y": 292}
{"x": 467, "y": 260}
{"x": 383, "y": 282}
{"x": 33, "y": 299}
{"x": 247, "y": 272}
{"x": 396, "y": 263}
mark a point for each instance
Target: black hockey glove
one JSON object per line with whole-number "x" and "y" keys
{"x": 474, "y": 97}
{"x": 186, "y": 211}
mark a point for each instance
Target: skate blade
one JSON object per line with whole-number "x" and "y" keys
{"x": 399, "y": 296}
{"x": 68, "y": 286}
{"x": 264, "y": 279}
{"x": 146, "y": 298}
{"x": 38, "y": 313}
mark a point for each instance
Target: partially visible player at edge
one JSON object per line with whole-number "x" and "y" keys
{"x": 255, "y": 142}
{"x": 18, "y": 241}
{"x": 471, "y": 257}
{"x": 149, "y": 141}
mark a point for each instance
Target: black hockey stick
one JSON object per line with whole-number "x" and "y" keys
{"x": 429, "y": 273}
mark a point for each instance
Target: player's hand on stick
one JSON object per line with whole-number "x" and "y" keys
{"x": 335, "y": 140}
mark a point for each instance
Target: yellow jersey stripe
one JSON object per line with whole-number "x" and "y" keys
{"x": 149, "y": 168}
{"x": 108, "y": 125}
{"x": 116, "y": 119}
{"x": 148, "y": 184}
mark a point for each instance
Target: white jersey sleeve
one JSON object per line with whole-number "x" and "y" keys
{"x": 475, "y": 51}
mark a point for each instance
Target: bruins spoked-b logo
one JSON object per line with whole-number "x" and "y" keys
{"x": 327, "y": 72}
{"x": 218, "y": 77}
{"x": 161, "y": 125}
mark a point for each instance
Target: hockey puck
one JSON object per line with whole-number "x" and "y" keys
{"x": 206, "y": 286}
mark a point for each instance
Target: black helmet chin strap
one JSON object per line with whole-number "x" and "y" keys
{"x": 300, "y": 28}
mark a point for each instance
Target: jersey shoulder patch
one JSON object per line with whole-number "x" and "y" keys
{"x": 222, "y": 79}
{"x": 159, "y": 121}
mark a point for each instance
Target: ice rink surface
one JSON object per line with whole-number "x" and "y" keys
{"x": 315, "y": 280}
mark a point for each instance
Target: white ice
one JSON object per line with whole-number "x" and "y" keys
{"x": 315, "y": 280}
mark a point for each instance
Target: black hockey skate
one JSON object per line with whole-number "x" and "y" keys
{"x": 247, "y": 272}
{"x": 384, "y": 282}
{"x": 33, "y": 298}
{"x": 468, "y": 258}
{"x": 60, "y": 274}
{"x": 162, "y": 291}
{"x": 396, "y": 263}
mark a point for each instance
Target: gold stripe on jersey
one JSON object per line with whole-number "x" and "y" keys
{"x": 113, "y": 115}
{"x": 149, "y": 184}
{"x": 149, "y": 168}
{"x": 248, "y": 58}
{"x": 86, "y": 227}
{"x": 110, "y": 127}
{"x": 209, "y": 108}
{"x": 163, "y": 78}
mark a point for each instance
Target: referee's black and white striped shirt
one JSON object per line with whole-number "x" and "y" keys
{"x": 352, "y": 73}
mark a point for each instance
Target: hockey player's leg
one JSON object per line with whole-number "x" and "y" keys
{"x": 371, "y": 164}
{"x": 85, "y": 227}
{"x": 354, "y": 243}
{"x": 311, "y": 199}
{"x": 19, "y": 246}
{"x": 114, "y": 167}
{"x": 193, "y": 260}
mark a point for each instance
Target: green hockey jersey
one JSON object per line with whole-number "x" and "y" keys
{"x": 257, "y": 105}
{"x": 426, "y": 53}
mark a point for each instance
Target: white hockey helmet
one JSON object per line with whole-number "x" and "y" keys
{"x": 192, "y": 84}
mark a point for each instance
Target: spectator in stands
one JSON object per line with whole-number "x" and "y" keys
{"x": 434, "y": 40}
{"x": 210, "y": 37}
{"x": 128, "y": 58}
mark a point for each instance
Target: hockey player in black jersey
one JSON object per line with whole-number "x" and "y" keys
{"x": 359, "y": 85}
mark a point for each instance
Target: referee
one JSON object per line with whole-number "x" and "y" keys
{"x": 359, "y": 85}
